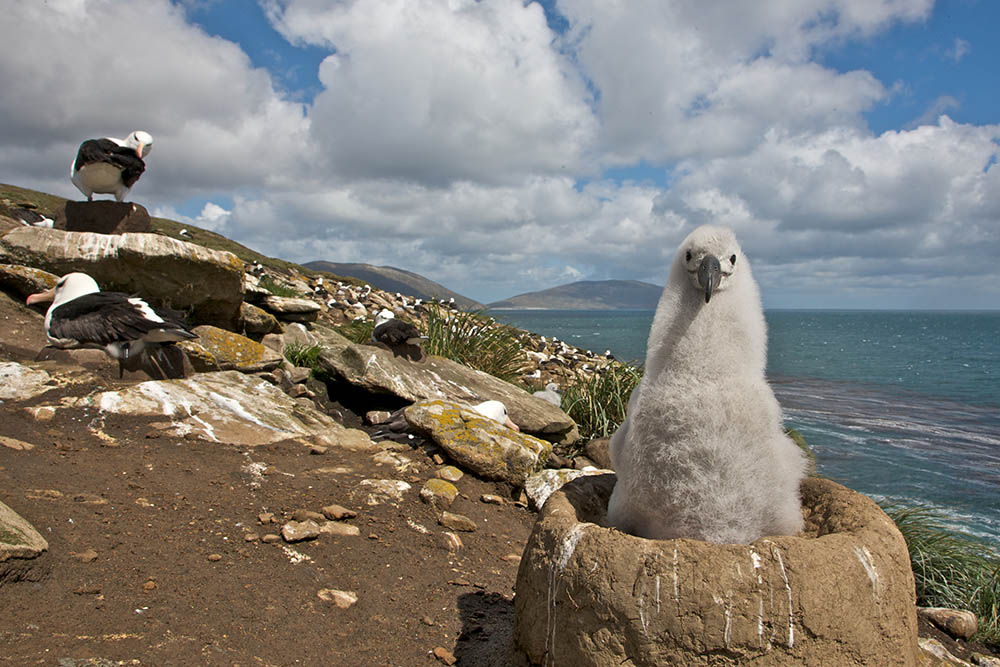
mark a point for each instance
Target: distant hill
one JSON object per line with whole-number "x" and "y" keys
{"x": 391, "y": 279}
{"x": 588, "y": 295}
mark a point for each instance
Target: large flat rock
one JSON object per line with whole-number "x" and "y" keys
{"x": 206, "y": 283}
{"x": 377, "y": 370}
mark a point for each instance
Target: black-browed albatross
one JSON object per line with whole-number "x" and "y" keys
{"x": 109, "y": 165}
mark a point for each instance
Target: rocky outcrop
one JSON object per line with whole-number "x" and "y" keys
{"x": 216, "y": 349}
{"x": 839, "y": 594}
{"x": 544, "y": 483}
{"x": 378, "y": 370}
{"x": 102, "y": 217}
{"x": 206, "y": 283}
{"x": 226, "y": 407}
{"x": 256, "y": 321}
{"x": 482, "y": 446}
{"x": 20, "y": 546}
{"x": 291, "y": 309}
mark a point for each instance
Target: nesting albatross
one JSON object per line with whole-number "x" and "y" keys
{"x": 128, "y": 329}
{"x": 702, "y": 453}
{"x": 402, "y": 338}
{"x": 109, "y": 165}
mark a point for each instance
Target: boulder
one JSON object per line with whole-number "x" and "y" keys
{"x": 216, "y": 349}
{"x": 208, "y": 284}
{"x": 20, "y": 546}
{"x": 958, "y": 623}
{"x": 256, "y": 321}
{"x": 840, "y": 593}
{"x": 483, "y": 446}
{"x": 377, "y": 370}
{"x": 23, "y": 281}
{"x": 294, "y": 333}
{"x": 226, "y": 407}
{"x": 102, "y": 217}
{"x": 292, "y": 309}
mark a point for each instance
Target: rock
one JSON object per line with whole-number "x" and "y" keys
{"x": 841, "y": 593}
{"x": 21, "y": 382}
{"x": 338, "y": 529}
{"x": 227, "y": 407}
{"x": 15, "y": 444}
{"x": 291, "y": 309}
{"x": 941, "y": 655}
{"x": 375, "y": 417}
{"x": 543, "y": 484}
{"x": 342, "y": 599}
{"x": 444, "y": 655}
{"x": 377, "y": 370}
{"x": 102, "y": 217}
{"x": 298, "y": 531}
{"x": 307, "y": 515}
{"x": 597, "y": 451}
{"x": 297, "y": 374}
{"x": 449, "y": 473}
{"x": 338, "y": 513}
{"x": 383, "y": 490}
{"x": 255, "y": 321}
{"x": 215, "y": 558}
{"x": 984, "y": 660}
{"x": 220, "y": 350}
{"x": 485, "y": 447}
{"x": 957, "y": 623}
{"x": 270, "y": 538}
{"x": 180, "y": 275}
{"x": 458, "y": 522}
{"x": 20, "y": 547}
{"x": 452, "y": 541}
{"x": 438, "y": 493}
{"x": 294, "y": 334}
{"x": 491, "y": 499}
{"x": 24, "y": 280}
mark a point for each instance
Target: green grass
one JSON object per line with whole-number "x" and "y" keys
{"x": 277, "y": 289}
{"x": 303, "y": 356}
{"x": 950, "y": 569}
{"x": 472, "y": 339}
{"x": 357, "y": 331}
{"x": 598, "y": 404}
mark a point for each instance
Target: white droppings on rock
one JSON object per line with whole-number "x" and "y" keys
{"x": 865, "y": 558}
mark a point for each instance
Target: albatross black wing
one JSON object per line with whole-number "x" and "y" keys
{"x": 131, "y": 165}
{"x": 94, "y": 150}
{"x": 108, "y": 317}
{"x": 395, "y": 332}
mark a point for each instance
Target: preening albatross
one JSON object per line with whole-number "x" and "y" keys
{"x": 109, "y": 165}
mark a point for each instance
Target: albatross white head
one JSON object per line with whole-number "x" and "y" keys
{"x": 496, "y": 411}
{"x": 384, "y": 316}
{"x": 711, "y": 256}
{"x": 139, "y": 141}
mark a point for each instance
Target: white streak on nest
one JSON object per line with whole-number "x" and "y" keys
{"x": 154, "y": 391}
{"x": 865, "y": 557}
{"x": 234, "y": 406}
{"x": 727, "y": 608}
{"x": 784, "y": 577}
{"x": 676, "y": 596}
{"x": 110, "y": 400}
{"x": 564, "y": 551}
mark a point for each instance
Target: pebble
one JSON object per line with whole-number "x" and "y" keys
{"x": 250, "y": 537}
{"x": 452, "y": 541}
{"x": 336, "y": 528}
{"x": 512, "y": 558}
{"x": 318, "y": 450}
{"x": 84, "y": 556}
{"x": 450, "y": 473}
{"x": 266, "y": 517}
{"x": 490, "y": 499}
{"x": 438, "y": 492}
{"x": 43, "y": 494}
{"x": 458, "y": 522}
{"x": 957, "y": 623}
{"x": 375, "y": 417}
{"x": 88, "y": 589}
{"x": 42, "y": 413}
{"x": 149, "y": 585}
{"x": 298, "y": 531}
{"x": 15, "y": 444}
{"x": 337, "y": 512}
{"x": 307, "y": 515}
{"x": 444, "y": 655}
{"x": 89, "y": 499}
{"x": 270, "y": 538}
{"x": 343, "y": 599}
{"x": 215, "y": 558}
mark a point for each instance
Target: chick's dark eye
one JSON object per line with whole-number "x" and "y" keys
{"x": 732, "y": 260}
{"x": 688, "y": 256}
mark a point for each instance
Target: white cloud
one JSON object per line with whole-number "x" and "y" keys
{"x": 959, "y": 49}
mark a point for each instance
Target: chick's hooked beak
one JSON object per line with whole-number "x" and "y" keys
{"x": 709, "y": 275}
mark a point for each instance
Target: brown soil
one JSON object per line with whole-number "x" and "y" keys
{"x": 150, "y": 563}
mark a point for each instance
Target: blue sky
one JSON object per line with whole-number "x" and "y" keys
{"x": 500, "y": 147}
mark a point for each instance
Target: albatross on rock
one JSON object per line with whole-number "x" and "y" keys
{"x": 399, "y": 336}
{"x": 702, "y": 453}
{"x": 109, "y": 165}
{"x": 127, "y": 328}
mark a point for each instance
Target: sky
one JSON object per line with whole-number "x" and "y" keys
{"x": 501, "y": 146}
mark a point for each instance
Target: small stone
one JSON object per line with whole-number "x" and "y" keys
{"x": 266, "y": 517}
{"x": 318, "y": 450}
{"x": 957, "y": 623}
{"x": 88, "y": 589}
{"x": 450, "y": 473}
{"x": 17, "y": 445}
{"x": 149, "y": 585}
{"x": 89, "y": 499}
{"x": 375, "y": 417}
{"x": 458, "y": 522}
{"x": 270, "y": 538}
{"x": 460, "y": 582}
{"x": 87, "y": 556}
{"x": 43, "y": 494}
{"x": 215, "y": 558}
{"x": 250, "y": 537}
{"x": 438, "y": 493}
{"x": 427, "y": 620}
{"x": 452, "y": 541}
{"x": 307, "y": 515}
{"x": 42, "y": 413}
{"x": 491, "y": 499}
{"x": 337, "y": 528}
{"x": 512, "y": 558}
{"x": 437, "y": 458}
{"x": 298, "y": 531}
{"x": 444, "y": 655}
{"x": 298, "y": 390}
{"x": 143, "y": 502}
{"x": 343, "y": 599}
{"x": 337, "y": 512}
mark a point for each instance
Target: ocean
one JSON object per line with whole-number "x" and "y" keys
{"x": 903, "y": 406}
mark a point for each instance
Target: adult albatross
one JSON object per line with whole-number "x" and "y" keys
{"x": 127, "y": 328}
{"x": 109, "y": 165}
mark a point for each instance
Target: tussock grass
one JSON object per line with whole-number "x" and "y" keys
{"x": 598, "y": 404}
{"x": 357, "y": 331}
{"x": 477, "y": 341}
{"x": 268, "y": 283}
{"x": 304, "y": 356}
{"x": 950, "y": 569}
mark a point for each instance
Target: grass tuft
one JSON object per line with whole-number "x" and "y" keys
{"x": 951, "y": 570}
{"x": 357, "y": 331}
{"x": 304, "y": 356}
{"x": 477, "y": 341}
{"x": 598, "y": 404}
{"x": 268, "y": 283}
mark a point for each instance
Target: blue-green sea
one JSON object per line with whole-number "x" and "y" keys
{"x": 902, "y": 406}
